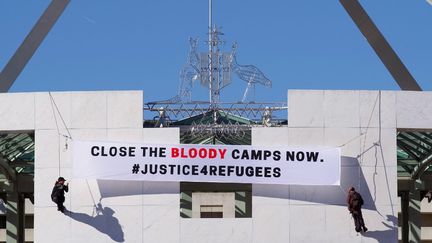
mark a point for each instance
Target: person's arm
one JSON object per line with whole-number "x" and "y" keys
{"x": 66, "y": 187}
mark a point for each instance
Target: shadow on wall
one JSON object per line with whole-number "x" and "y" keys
{"x": 351, "y": 175}
{"x": 104, "y": 222}
{"x": 384, "y": 234}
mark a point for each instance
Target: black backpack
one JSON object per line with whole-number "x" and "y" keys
{"x": 356, "y": 201}
{"x": 54, "y": 194}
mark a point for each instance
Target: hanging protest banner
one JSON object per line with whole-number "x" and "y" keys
{"x": 206, "y": 163}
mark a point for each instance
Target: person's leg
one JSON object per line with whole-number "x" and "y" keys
{"x": 361, "y": 221}
{"x": 356, "y": 221}
{"x": 60, "y": 206}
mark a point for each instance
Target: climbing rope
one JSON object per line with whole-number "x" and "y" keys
{"x": 54, "y": 108}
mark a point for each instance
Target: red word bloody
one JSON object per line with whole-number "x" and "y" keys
{"x": 202, "y": 153}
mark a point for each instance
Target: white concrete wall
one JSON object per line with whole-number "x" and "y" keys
{"x": 132, "y": 211}
{"x": 362, "y": 123}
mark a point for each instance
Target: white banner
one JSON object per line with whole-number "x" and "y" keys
{"x": 206, "y": 163}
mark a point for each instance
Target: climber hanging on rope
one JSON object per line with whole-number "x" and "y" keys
{"x": 355, "y": 202}
{"x": 58, "y": 193}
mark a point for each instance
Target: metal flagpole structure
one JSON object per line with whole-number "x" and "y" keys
{"x": 214, "y": 68}
{"x": 210, "y": 54}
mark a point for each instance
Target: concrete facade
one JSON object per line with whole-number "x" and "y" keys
{"x": 362, "y": 123}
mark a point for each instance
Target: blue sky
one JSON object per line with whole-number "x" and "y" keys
{"x": 140, "y": 44}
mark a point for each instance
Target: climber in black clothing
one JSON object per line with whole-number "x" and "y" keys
{"x": 58, "y": 193}
{"x": 355, "y": 202}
